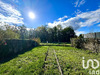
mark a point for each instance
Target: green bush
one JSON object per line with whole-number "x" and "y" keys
{"x": 77, "y": 42}
{"x": 37, "y": 40}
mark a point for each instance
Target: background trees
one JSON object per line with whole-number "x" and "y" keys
{"x": 55, "y": 34}
{"x": 43, "y": 33}
{"x": 9, "y": 32}
{"x": 67, "y": 33}
{"x": 2, "y": 34}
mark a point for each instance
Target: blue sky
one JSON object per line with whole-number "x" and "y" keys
{"x": 82, "y": 15}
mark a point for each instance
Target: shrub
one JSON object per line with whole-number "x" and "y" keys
{"x": 37, "y": 40}
{"x": 77, "y": 42}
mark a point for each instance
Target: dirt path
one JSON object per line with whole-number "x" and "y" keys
{"x": 52, "y": 66}
{"x": 58, "y": 63}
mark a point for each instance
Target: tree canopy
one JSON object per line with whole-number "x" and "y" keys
{"x": 44, "y": 33}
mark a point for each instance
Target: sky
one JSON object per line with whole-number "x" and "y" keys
{"x": 82, "y": 15}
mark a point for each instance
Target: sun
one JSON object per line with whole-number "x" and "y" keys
{"x": 31, "y": 15}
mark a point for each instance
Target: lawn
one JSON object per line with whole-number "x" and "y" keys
{"x": 28, "y": 63}
{"x": 56, "y": 44}
{"x": 41, "y": 61}
{"x": 51, "y": 67}
{"x": 70, "y": 60}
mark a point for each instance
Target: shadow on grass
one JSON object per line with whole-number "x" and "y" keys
{"x": 11, "y": 56}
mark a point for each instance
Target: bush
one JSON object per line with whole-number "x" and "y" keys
{"x": 37, "y": 40}
{"x": 77, "y": 42}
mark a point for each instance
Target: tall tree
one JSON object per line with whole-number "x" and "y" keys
{"x": 10, "y": 33}
{"x": 67, "y": 33}
{"x": 22, "y": 32}
{"x": 42, "y": 33}
{"x": 50, "y": 35}
{"x": 59, "y": 34}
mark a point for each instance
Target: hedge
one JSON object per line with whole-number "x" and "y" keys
{"x": 13, "y": 47}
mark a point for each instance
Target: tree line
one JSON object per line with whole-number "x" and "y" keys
{"x": 55, "y": 34}
{"x": 43, "y": 33}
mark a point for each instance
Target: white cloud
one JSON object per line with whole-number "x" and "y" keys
{"x": 3, "y": 26}
{"x": 77, "y": 12}
{"x": 60, "y": 19}
{"x": 29, "y": 29}
{"x": 9, "y": 14}
{"x": 81, "y": 20}
{"x": 79, "y": 32}
{"x": 81, "y": 3}
{"x": 78, "y": 3}
{"x": 16, "y": 1}
{"x": 99, "y": 25}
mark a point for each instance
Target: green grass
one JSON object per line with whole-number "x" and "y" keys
{"x": 29, "y": 63}
{"x": 32, "y": 62}
{"x": 54, "y": 44}
{"x": 70, "y": 60}
{"x": 51, "y": 67}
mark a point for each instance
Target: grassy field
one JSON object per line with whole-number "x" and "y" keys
{"x": 56, "y": 44}
{"x": 71, "y": 58}
{"x": 28, "y": 63}
{"x": 41, "y": 61}
{"x": 51, "y": 67}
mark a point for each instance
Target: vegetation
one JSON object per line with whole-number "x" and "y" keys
{"x": 67, "y": 33}
{"x": 13, "y": 47}
{"x": 29, "y": 63}
{"x": 70, "y": 60}
{"x": 43, "y": 33}
{"x": 51, "y": 67}
{"x": 55, "y": 44}
{"x": 37, "y": 40}
{"x": 41, "y": 60}
{"x": 77, "y": 42}
{"x": 55, "y": 34}
{"x": 81, "y": 36}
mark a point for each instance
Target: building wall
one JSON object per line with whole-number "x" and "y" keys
{"x": 92, "y": 35}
